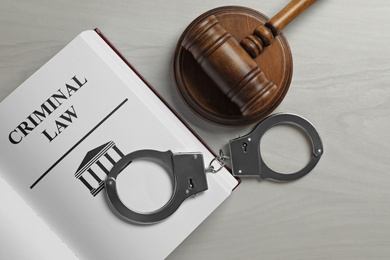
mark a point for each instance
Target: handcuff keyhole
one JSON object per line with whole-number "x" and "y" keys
{"x": 245, "y": 147}
{"x": 191, "y": 184}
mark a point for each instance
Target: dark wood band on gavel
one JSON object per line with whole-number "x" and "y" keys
{"x": 264, "y": 35}
{"x": 229, "y": 65}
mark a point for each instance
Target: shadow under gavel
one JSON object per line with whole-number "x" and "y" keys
{"x": 230, "y": 64}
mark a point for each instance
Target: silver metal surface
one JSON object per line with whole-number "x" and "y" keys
{"x": 186, "y": 170}
{"x": 189, "y": 176}
{"x": 245, "y": 152}
{"x": 221, "y": 160}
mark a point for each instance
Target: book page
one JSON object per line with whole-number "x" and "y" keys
{"x": 23, "y": 234}
{"x": 64, "y": 128}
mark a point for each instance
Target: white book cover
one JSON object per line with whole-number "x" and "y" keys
{"x": 64, "y": 128}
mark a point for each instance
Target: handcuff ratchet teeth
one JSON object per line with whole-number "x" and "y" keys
{"x": 189, "y": 175}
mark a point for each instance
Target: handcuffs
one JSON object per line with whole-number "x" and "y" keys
{"x": 189, "y": 174}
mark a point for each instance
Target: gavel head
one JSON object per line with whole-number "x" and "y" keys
{"x": 230, "y": 67}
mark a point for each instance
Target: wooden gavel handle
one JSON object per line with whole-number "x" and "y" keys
{"x": 264, "y": 35}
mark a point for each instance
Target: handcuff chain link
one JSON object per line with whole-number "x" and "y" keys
{"x": 221, "y": 160}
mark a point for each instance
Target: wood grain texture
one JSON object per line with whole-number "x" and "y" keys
{"x": 242, "y": 90}
{"x": 341, "y": 84}
{"x": 232, "y": 69}
{"x": 264, "y": 35}
{"x": 292, "y": 10}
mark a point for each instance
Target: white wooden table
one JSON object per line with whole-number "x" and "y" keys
{"x": 341, "y": 83}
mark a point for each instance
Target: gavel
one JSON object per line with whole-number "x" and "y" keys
{"x": 231, "y": 64}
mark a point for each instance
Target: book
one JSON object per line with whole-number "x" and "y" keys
{"x": 62, "y": 131}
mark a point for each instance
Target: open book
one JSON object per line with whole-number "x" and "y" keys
{"x": 63, "y": 129}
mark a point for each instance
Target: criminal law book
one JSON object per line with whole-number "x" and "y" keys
{"x": 62, "y": 131}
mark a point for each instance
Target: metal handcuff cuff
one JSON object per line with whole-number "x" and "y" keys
{"x": 189, "y": 174}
